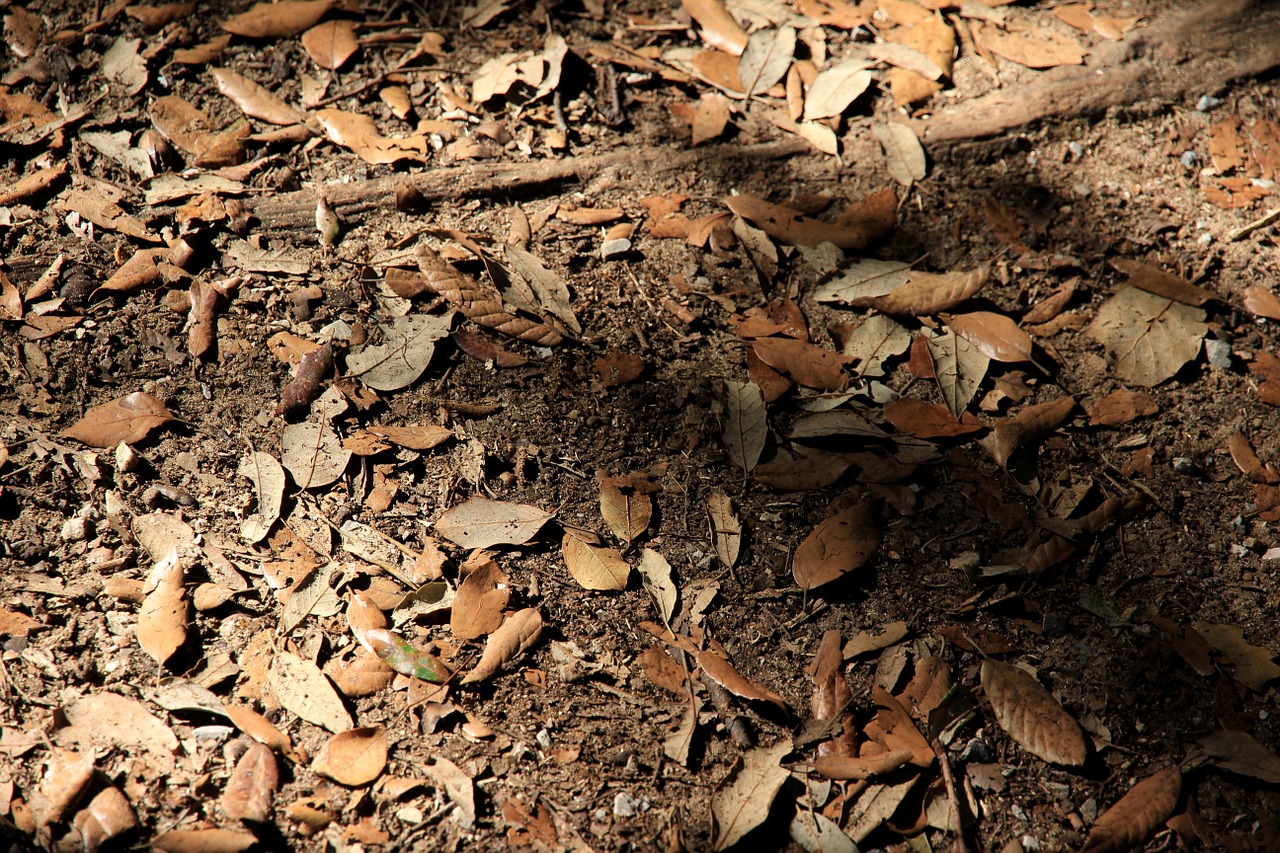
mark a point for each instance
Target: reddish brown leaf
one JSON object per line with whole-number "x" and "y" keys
{"x": 273, "y": 20}
{"x": 1031, "y": 715}
{"x": 477, "y": 608}
{"x": 995, "y": 335}
{"x": 1157, "y": 281}
{"x": 484, "y": 350}
{"x": 162, "y": 618}
{"x": 913, "y": 416}
{"x": 1188, "y": 643}
{"x": 788, "y": 226}
{"x": 723, "y": 672}
{"x": 1030, "y": 426}
{"x": 481, "y": 305}
{"x": 618, "y": 368}
{"x": 1261, "y": 302}
{"x": 928, "y": 293}
{"x": 1121, "y": 406}
{"x": 1266, "y": 367}
{"x": 974, "y": 639}
{"x": 1053, "y": 304}
{"x": 1247, "y": 460}
{"x": 894, "y": 730}
{"x": 302, "y": 389}
{"x": 331, "y": 44}
{"x": 802, "y": 475}
{"x": 252, "y": 785}
{"x": 518, "y": 633}
{"x": 810, "y": 365}
{"x": 831, "y": 694}
{"x": 848, "y": 767}
{"x": 920, "y": 361}
{"x": 1137, "y": 815}
{"x": 837, "y": 546}
{"x": 719, "y": 29}
{"x": 128, "y": 419}
{"x": 354, "y": 757}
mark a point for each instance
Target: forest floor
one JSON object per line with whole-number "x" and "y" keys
{"x": 639, "y": 426}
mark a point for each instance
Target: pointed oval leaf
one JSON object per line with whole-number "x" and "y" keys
{"x": 745, "y": 427}
{"x": 406, "y": 349}
{"x": 128, "y": 419}
{"x": 995, "y": 335}
{"x": 303, "y": 690}
{"x": 252, "y": 785}
{"x": 482, "y": 596}
{"x": 837, "y": 546}
{"x": 1031, "y": 716}
{"x": 518, "y": 633}
{"x": 162, "y": 619}
{"x": 313, "y": 454}
{"x": 483, "y": 523}
{"x": 959, "y": 368}
{"x": 273, "y": 20}
{"x": 742, "y": 800}
{"x": 835, "y": 88}
{"x": 804, "y": 362}
{"x": 655, "y": 573}
{"x": 592, "y": 567}
{"x": 766, "y": 59}
{"x": 354, "y": 757}
{"x": 1137, "y": 815}
{"x": 1242, "y": 753}
{"x": 331, "y": 44}
{"x": 928, "y": 293}
{"x": 403, "y": 656}
{"x": 254, "y": 100}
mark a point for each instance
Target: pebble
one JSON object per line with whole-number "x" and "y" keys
{"x": 75, "y": 529}
{"x": 1206, "y": 103}
{"x": 1271, "y": 555}
{"x": 1089, "y": 810}
{"x": 1238, "y": 550}
{"x": 627, "y": 805}
{"x": 1219, "y": 354}
{"x": 615, "y": 248}
{"x": 1189, "y": 159}
{"x": 1076, "y": 149}
{"x": 1185, "y": 465}
{"x": 976, "y": 750}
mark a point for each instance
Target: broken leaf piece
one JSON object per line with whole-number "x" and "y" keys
{"x": 128, "y": 419}
{"x": 837, "y": 546}
{"x": 1031, "y": 716}
{"x": 742, "y": 800}
{"x": 360, "y": 133}
{"x": 594, "y": 567}
{"x": 518, "y": 633}
{"x": 304, "y": 691}
{"x": 162, "y": 619}
{"x": 483, "y": 522}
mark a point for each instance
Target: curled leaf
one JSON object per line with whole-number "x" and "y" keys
{"x": 518, "y": 633}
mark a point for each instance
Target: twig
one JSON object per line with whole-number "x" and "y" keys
{"x": 1261, "y": 222}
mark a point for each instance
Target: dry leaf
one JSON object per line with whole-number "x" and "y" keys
{"x": 359, "y": 133}
{"x": 252, "y": 786}
{"x": 1261, "y": 302}
{"x": 809, "y": 365}
{"x": 108, "y": 721}
{"x": 927, "y": 293}
{"x": 354, "y": 757}
{"x": 848, "y": 767}
{"x": 835, "y": 88}
{"x": 1042, "y": 49}
{"x": 480, "y": 304}
{"x": 314, "y": 368}
{"x": 303, "y": 690}
{"x": 408, "y": 343}
{"x": 766, "y": 58}
{"x": 726, "y": 528}
{"x": 789, "y": 226}
{"x": 655, "y": 574}
{"x": 1031, "y": 715}
{"x": 837, "y": 546}
{"x": 128, "y": 419}
{"x": 254, "y": 100}
{"x": 1161, "y": 283}
{"x": 894, "y": 730}
{"x": 593, "y": 567}
{"x": 802, "y": 475}
{"x": 64, "y": 780}
{"x": 742, "y": 800}
{"x": 274, "y": 20}
{"x": 457, "y": 785}
{"x": 482, "y": 523}
{"x": 331, "y": 44}
{"x": 864, "y": 278}
{"x": 1255, "y": 666}
{"x": 518, "y": 633}
{"x": 959, "y": 368}
{"x": 710, "y": 118}
{"x": 719, "y": 29}
{"x": 1122, "y": 406}
{"x": 259, "y": 728}
{"x": 203, "y": 840}
{"x": 903, "y": 150}
{"x": 831, "y": 695}
{"x": 107, "y": 816}
{"x": 1029, "y": 426}
{"x": 618, "y": 368}
{"x": 1137, "y": 815}
{"x": 1147, "y": 337}
{"x": 745, "y": 428}
{"x": 313, "y": 454}
{"x": 1242, "y": 753}
{"x": 995, "y": 335}
{"x": 482, "y": 596}
{"x": 625, "y": 505}
{"x": 162, "y": 619}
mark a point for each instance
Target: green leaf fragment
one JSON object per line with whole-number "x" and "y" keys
{"x": 403, "y": 656}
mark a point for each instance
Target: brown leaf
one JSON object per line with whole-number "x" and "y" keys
{"x": 863, "y": 642}
{"x": 518, "y": 633}
{"x": 162, "y": 619}
{"x": 726, "y": 528}
{"x": 259, "y": 728}
{"x": 1031, "y": 716}
{"x": 837, "y": 546}
{"x": 894, "y": 730}
{"x": 995, "y": 335}
{"x": 128, "y": 419}
{"x": 375, "y": 439}
{"x": 479, "y": 304}
{"x": 913, "y": 416}
{"x": 482, "y": 596}
{"x": 710, "y": 118}
{"x": 1188, "y": 643}
{"x": 1148, "y": 338}
{"x": 1266, "y": 366}
{"x": 1242, "y": 753}
{"x": 803, "y": 474}
{"x": 593, "y": 567}
{"x": 1261, "y": 302}
{"x": 788, "y": 226}
{"x": 1242, "y": 453}
{"x": 1255, "y": 666}
{"x": 745, "y": 427}
{"x": 974, "y": 639}
{"x": 1053, "y": 304}
{"x": 64, "y": 780}
{"x": 618, "y": 368}
{"x": 316, "y": 366}
{"x": 254, "y": 100}
{"x": 355, "y": 757}
{"x": 203, "y": 841}
{"x": 331, "y": 44}
{"x": 482, "y": 523}
{"x": 742, "y": 800}
{"x": 108, "y": 815}
{"x": 719, "y": 29}
{"x": 810, "y": 365}
{"x": 831, "y": 694}
{"x": 303, "y": 690}
{"x": 848, "y": 767}
{"x": 1043, "y": 48}
{"x": 202, "y": 324}
{"x": 252, "y": 785}
{"x": 1157, "y": 281}
{"x": 360, "y": 133}
{"x": 1030, "y": 426}
{"x": 363, "y": 675}
{"x": 1121, "y": 406}
{"x": 1137, "y": 815}
{"x": 723, "y": 672}
{"x": 625, "y": 505}
{"x": 274, "y": 20}
{"x": 928, "y": 293}
{"x": 484, "y": 350}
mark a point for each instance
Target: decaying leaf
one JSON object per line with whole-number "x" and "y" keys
{"x": 408, "y": 343}
{"x": 913, "y": 416}
{"x": 719, "y": 29}
{"x": 482, "y": 596}
{"x": 594, "y": 567}
{"x": 1043, "y": 48}
{"x": 128, "y": 419}
{"x": 1029, "y": 426}
{"x": 252, "y": 786}
{"x": 655, "y": 574}
{"x": 1137, "y": 815}
{"x": 162, "y": 619}
{"x": 742, "y": 800}
{"x": 872, "y": 342}
{"x": 1031, "y": 716}
{"x": 480, "y": 304}
{"x": 354, "y": 757}
{"x": 959, "y": 368}
{"x": 518, "y": 633}
{"x": 313, "y": 454}
{"x": 303, "y": 690}
{"x": 837, "y": 546}
{"x": 766, "y": 59}
{"x": 482, "y": 523}
{"x": 726, "y": 528}
{"x": 314, "y": 368}
{"x": 789, "y": 226}
{"x": 745, "y": 428}
{"x": 203, "y": 841}
{"x": 1157, "y": 281}
{"x": 810, "y": 365}
{"x": 1255, "y": 666}
{"x": 283, "y": 18}
{"x": 360, "y": 133}
{"x": 903, "y": 151}
{"x": 1147, "y": 337}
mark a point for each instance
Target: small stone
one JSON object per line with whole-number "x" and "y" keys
{"x": 1219, "y": 354}
{"x": 75, "y": 529}
{"x": 410, "y": 814}
{"x": 1089, "y": 810}
{"x": 1029, "y": 843}
{"x": 615, "y": 248}
{"x": 1238, "y": 550}
{"x": 1055, "y": 624}
{"x": 977, "y": 751}
{"x": 1189, "y": 159}
{"x": 1075, "y": 149}
{"x": 1206, "y": 103}
{"x": 1271, "y": 555}
{"x": 543, "y": 737}
{"x": 1185, "y": 465}
{"x": 627, "y": 805}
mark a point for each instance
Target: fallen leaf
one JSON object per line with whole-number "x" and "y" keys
{"x": 360, "y": 134}
{"x": 259, "y": 728}
{"x": 203, "y": 840}
{"x": 408, "y": 343}
{"x": 1122, "y": 406}
{"x": 1148, "y": 338}
{"x": 458, "y": 787}
{"x": 355, "y": 757}
{"x": 107, "y": 816}
{"x": 726, "y": 528}
{"x": 872, "y": 342}
{"x": 743, "y": 798}
{"x": 401, "y": 655}
{"x": 831, "y": 695}
{"x": 1242, "y": 753}
{"x": 482, "y": 523}
{"x": 766, "y": 58}
{"x": 894, "y": 730}
{"x": 805, "y": 474}
{"x": 959, "y": 368}
{"x": 710, "y": 118}
{"x": 724, "y": 673}
{"x": 1157, "y": 281}
{"x": 304, "y": 691}
{"x": 254, "y": 100}
{"x": 1044, "y": 48}
{"x": 927, "y": 293}
{"x": 1261, "y": 302}
{"x": 809, "y": 365}
{"x": 1028, "y": 427}
{"x": 109, "y": 721}
{"x": 482, "y": 596}
{"x": 837, "y": 546}
{"x": 1246, "y": 459}
{"x": 676, "y": 747}
{"x": 745, "y": 428}
{"x": 315, "y": 367}
{"x": 655, "y": 574}
{"x": 275, "y": 20}
{"x": 331, "y": 44}
{"x": 518, "y": 633}
{"x": 912, "y": 416}
{"x": 593, "y": 567}
{"x": 252, "y": 786}
{"x": 789, "y": 226}
{"x": 128, "y": 419}
{"x": 1136, "y": 816}
{"x": 550, "y": 288}
{"x": 719, "y": 29}
{"x": 1255, "y": 666}
{"x": 864, "y": 642}
{"x": 996, "y": 336}
{"x": 162, "y": 619}
{"x": 835, "y": 88}
{"x": 903, "y": 150}
{"x": 625, "y": 505}
{"x": 1031, "y": 716}
{"x": 313, "y": 454}
{"x": 63, "y": 782}
{"x": 618, "y": 368}
{"x": 480, "y": 304}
